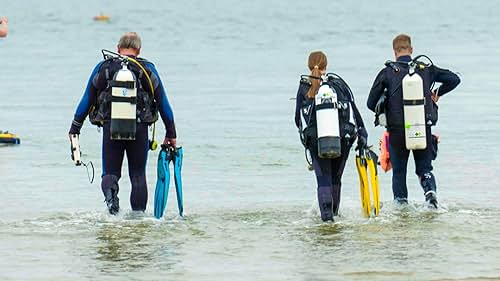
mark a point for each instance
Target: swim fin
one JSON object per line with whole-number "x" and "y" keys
{"x": 179, "y": 152}
{"x": 371, "y": 160}
{"x": 363, "y": 182}
{"x": 168, "y": 154}
{"x": 366, "y": 165}
{"x": 162, "y": 182}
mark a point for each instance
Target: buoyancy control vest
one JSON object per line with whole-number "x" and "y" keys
{"x": 123, "y": 79}
{"x": 327, "y": 119}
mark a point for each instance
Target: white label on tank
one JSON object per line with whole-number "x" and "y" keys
{"x": 123, "y": 92}
{"x": 123, "y": 110}
{"x": 325, "y": 123}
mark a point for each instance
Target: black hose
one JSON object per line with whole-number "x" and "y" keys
{"x": 91, "y": 179}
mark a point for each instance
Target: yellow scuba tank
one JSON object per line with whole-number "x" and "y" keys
{"x": 123, "y": 104}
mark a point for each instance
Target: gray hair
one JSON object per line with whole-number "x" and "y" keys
{"x": 130, "y": 40}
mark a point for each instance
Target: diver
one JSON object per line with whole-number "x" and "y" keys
{"x": 4, "y": 26}
{"x": 123, "y": 96}
{"x": 332, "y": 123}
{"x": 406, "y": 85}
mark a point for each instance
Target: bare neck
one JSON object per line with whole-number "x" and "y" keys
{"x": 129, "y": 52}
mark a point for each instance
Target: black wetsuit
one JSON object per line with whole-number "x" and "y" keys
{"x": 329, "y": 171}
{"x": 113, "y": 150}
{"x": 390, "y": 81}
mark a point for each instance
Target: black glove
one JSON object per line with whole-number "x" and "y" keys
{"x": 362, "y": 138}
{"x": 362, "y": 142}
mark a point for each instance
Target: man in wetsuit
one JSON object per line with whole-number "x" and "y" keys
{"x": 389, "y": 80}
{"x": 96, "y": 102}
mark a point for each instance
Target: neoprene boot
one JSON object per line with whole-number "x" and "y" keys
{"x": 325, "y": 202}
{"x": 429, "y": 186}
{"x": 110, "y": 190}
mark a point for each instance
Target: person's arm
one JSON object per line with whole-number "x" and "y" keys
{"x": 448, "y": 79}
{"x": 298, "y": 104}
{"x": 4, "y": 27}
{"x": 376, "y": 91}
{"x": 166, "y": 113}
{"x": 88, "y": 98}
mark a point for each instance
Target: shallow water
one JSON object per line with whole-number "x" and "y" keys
{"x": 230, "y": 69}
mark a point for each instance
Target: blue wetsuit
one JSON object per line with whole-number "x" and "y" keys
{"x": 388, "y": 80}
{"x": 136, "y": 150}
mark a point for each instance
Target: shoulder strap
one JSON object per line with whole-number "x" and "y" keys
{"x": 339, "y": 82}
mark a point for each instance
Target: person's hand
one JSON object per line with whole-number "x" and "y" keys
{"x": 362, "y": 142}
{"x": 435, "y": 96}
{"x": 4, "y": 20}
{"x": 171, "y": 142}
{"x": 70, "y": 135}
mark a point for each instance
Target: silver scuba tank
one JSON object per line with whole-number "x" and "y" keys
{"x": 414, "y": 111}
{"x": 327, "y": 122}
{"x": 123, "y": 104}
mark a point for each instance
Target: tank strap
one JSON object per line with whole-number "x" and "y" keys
{"x": 414, "y": 102}
{"x": 122, "y": 84}
{"x": 131, "y": 100}
{"x": 139, "y": 77}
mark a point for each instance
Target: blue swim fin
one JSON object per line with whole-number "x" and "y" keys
{"x": 178, "y": 178}
{"x": 162, "y": 183}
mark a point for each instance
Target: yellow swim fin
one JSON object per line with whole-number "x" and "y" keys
{"x": 371, "y": 159}
{"x": 363, "y": 183}
{"x": 366, "y": 162}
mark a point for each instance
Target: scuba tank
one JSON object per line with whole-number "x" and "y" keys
{"x": 414, "y": 111}
{"x": 123, "y": 104}
{"x": 327, "y": 122}
{"x": 75, "y": 149}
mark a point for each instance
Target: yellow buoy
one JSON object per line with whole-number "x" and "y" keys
{"x": 101, "y": 17}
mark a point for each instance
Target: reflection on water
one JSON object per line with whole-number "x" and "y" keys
{"x": 328, "y": 235}
{"x": 402, "y": 243}
{"x": 124, "y": 244}
{"x": 138, "y": 244}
